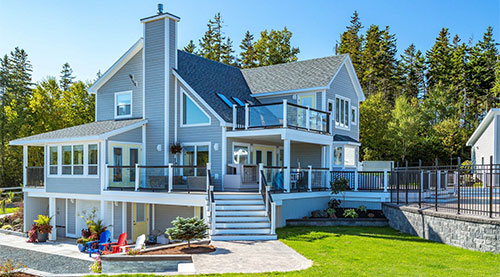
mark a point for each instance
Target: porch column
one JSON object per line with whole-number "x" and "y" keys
{"x": 330, "y": 163}
{"x": 25, "y": 165}
{"x": 286, "y": 164}
{"x": 52, "y": 214}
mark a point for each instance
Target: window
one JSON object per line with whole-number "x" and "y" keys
{"x": 66, "y": 155}
{"x": 342, "y": 112}
{"x": 53, "y": 160}
{"x": 77, "y": 159}
{"x": 92, "y": 159}
{"x": 240, "y": 154}
{"x": 354, "y": 114}
{"x": 123, "y": 104}
{"x": 118, "y": 161}
{"x": 349, "y": 156}
{"x": 196, "y": 155}
{"x": 337, "y": 155}
{"x": 225, "y": 100}
{"x": 192, "y": 114}
{"x": 238, "y": 101}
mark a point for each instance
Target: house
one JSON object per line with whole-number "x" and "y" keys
{"x": 485, "y": 141}
{"x": 171, "y": 128}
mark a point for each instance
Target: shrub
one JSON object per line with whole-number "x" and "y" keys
{"x": 96, "y": 267}
{"x": 331, "y": 212}
{"x": 133, "y": 252}
{"x": 9, "y": 268}
{"x": 187, "y": 229}
{"x": 6, "y": 227}
{"x": 362, "y": 209}
{"x": 350, "y": 213}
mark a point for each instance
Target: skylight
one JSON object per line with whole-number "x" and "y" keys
{"x": 238, "y": 101}
{"x": 226, "y": 100}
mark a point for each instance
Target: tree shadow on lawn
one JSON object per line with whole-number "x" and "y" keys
{"x": 310, "y": 234}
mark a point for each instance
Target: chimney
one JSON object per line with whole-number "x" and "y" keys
{"x": 160, "y": 9}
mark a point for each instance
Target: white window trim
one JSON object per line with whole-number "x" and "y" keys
{"x": 183, "y": 92}
{"x": 342, "y": 125}
{"x": 243, "y": 145}
{"x": 85, "y": 161}
{"x": 131, "y": 104}
{"x": 356, "y": 116}
{"x": 332, "y": 113}
{"x": 196, "y": 144}
{"x": 305, "y": 95}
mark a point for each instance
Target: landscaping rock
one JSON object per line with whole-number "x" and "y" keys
{"x": 319, "y": 214}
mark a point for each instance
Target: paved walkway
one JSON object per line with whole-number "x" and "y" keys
{"x": 230, "y": 257}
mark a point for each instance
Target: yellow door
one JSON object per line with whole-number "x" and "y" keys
{"x": 140, "y": 219}
{"x": 265, "y": 155}
{"x": 122, "y": 154}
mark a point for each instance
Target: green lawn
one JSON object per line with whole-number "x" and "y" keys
{"x": 351, "y": 251}
{"x": 9, "y": 210}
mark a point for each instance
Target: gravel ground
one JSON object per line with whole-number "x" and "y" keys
{"x": 44, "y": 262}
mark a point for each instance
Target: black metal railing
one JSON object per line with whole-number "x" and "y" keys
{"x": 465, "y": 189}
{"x": 34, "y": 176}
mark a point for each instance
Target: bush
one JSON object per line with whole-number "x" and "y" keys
{"x": 96, "y": 267}
{"x": 9, "y": 268}
{"x": 362, "y": 209}
{"x": 187, "y": 229}
{"x": 7, "y": 227}
{"x": 350, "y": 213}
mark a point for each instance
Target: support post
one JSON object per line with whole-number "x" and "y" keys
{"x": 212, "y": 213}
{"x": 308, "y": 118}
{"x": 273, "y": 218}
{"x": 386, "y": 181}
{"x": 170, "y": 177}
{"x": 209, "y": 169}
{"x": 309, "y": 178}
{"x": 286, "y": 161}
{"x": 52, "y": 215}
{"x": 446, "y": 179}
{"x": 421, "y": 180}
{"x": 25, "y": 165}
{"x": 106, "y": 176}
{"x": 137, "y": 177}
{"x": 259, "y": 176}
{"x": 234, "y": 117}
{"x": 438, "y": 179}
{"x": 491, "y": 186}
{"x": 247, "y": 113}
{"x": 285, "y": 113}
{"x": 356, "y": 179}
{"x": 268, "y": 189}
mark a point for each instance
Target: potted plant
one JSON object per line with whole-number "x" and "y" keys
{"x": 175, "y": 149}
{"x": 43, "y": 227}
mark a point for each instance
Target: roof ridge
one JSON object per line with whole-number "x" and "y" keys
{"x": 290, "y": 63}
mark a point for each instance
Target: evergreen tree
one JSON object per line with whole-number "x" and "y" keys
{"x": 214, "y": 45}
{"x": 460, "y": 87}
{"x": 373, "y": 135}
{"x": 227, "y": 51}
{"x": 190, "y": 48}
{"x": 207, "y": 45}
{"x": 248, "y": 57}
{"x": 66, "y": 76}
{"x": 412, "y": 70}
{"x": 439, "y": 60}
{"x": 351, "y": 42}
{"x": 275, "y": 47}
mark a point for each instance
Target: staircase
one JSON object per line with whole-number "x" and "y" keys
{"x": 444, "y": 196}
{"x": 240, "y": 216}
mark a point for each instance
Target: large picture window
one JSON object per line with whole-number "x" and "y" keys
{"x": 192, "y": 114}
{"x": 123, "y": 104}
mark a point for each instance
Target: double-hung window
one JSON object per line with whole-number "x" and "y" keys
{"x": 123, "y": 104}
{"x": 342, "y": 112}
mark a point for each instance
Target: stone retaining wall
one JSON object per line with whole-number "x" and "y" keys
{"x": 356, "y": 222}
{"x": 468, "y": 232}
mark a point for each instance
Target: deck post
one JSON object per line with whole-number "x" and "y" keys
{"x": 286, "y": 162}
{"x": 285, "y": 113}
{"x": 259, "y": 176}
{"x": 52, "y": 215}
{"x": 308, "y": 118}
{"x": 438, "y": 178}
{"x": 209, "y": 168}
{"x": 25, "y": 165}
{"x": 234, "y": 117}
{"x": 309, "y": 178}
{"x": 137, "y": 177}
{"x": 386, "y": 181}
{"x": 247, "y": 113}
{"x": 356, "y": 179}
{"x": 273, "y": 218}
{"x": 170, "y": 177}
{"x": 106, "y": 176}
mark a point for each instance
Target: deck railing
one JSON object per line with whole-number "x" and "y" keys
{"x": 34, "y": 176}
{"x": 280, "y": 115}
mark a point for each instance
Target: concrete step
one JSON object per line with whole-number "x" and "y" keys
{"x": 240, "y": 202}
{"x": 239, "y": 207}
{"x": 229, "y": 196}
{"x": 242, "y": 225}
{"x": 222, "y": 219}
{"x": 243, "y": 237}
{"x": 240, "y": 213}
{"x": 246, "y": 231}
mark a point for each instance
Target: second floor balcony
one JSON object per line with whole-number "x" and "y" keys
{"x": 281, "y": 115}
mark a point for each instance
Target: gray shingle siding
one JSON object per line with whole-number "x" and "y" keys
{"x": 121, "y": 82}
{"x": 342, "y": 85}
{"x": 74, "y": 185}
{"x": 154, "y": 47}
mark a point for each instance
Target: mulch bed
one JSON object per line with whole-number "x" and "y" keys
{"x": 339, "y": 212}
{"x": 182, "y": 249}
{"x": 22, "y": 274}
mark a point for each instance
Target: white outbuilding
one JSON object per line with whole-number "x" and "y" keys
{"x": 485, "y": 141}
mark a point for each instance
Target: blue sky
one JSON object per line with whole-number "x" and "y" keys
{"x": 91, "y": 35}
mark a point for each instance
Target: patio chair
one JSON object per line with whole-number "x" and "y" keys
{"x": 105, "y": 238}
{"x": 139, "y": 244}
{"x": 114, "y": 247}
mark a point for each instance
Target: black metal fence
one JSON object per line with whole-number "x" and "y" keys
{"x": 465, "y": 189}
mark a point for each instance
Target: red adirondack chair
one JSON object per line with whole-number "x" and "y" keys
{"x": 115, "y": 246}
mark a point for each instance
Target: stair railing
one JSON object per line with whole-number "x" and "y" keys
{"x": 210, "y": 200}
{"x": 268, "y": 201}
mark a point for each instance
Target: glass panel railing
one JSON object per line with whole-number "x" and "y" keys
{"x": 320, "y": 179}
{"x": 301, "y": 117}
{"x": 266, "y": 115}
{"x": 189, "y": 178}
{"x": 296, "y": 116}
{"x": 121, "y": 177}
{"x": 275, "y": 177}
{"x": 299, "y": 179}
{"x": 153, "y": 178}
{"x": 318, "y": 121}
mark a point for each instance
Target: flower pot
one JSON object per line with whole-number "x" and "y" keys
{"x": 42, "y": 237}
{"x": 82, "y": 247}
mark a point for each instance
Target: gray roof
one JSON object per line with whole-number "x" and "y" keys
{"x": 344, "y": 138}
{"x": 90, "y": 130}
{"x": 292, "y": 76}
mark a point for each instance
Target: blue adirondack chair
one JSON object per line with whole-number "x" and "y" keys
{"x": 105, "y": 238}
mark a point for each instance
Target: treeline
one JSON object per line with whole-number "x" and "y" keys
{"x": 421, "y": 105}
{"x": 28, "y": 109}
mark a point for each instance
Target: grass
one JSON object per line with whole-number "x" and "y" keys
{"x": 363, "y": 251}
{"x": 9, "y": 210}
